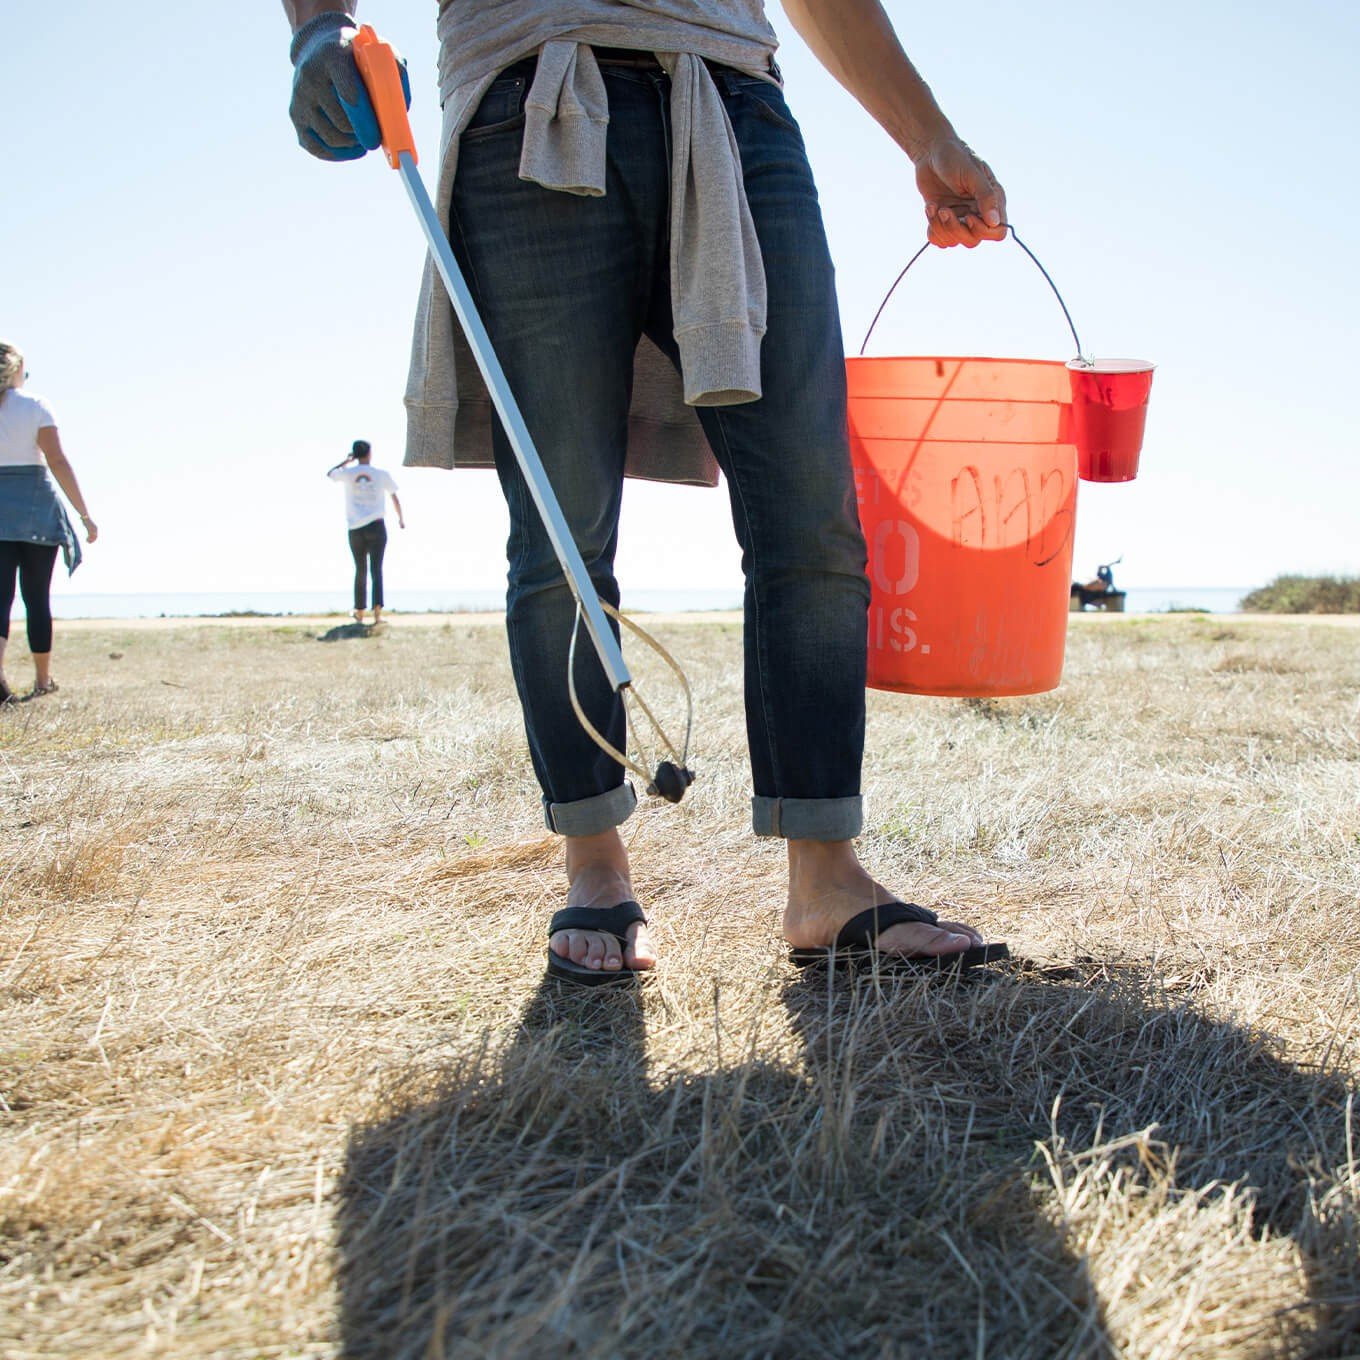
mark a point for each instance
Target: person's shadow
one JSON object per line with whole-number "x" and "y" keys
{"x": 344, "y": 632}
{"x": 924, "y": 1172}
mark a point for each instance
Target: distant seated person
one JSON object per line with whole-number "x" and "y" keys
{"x": 366, "y": 491}
{"x": 1103, "y": 583}
{"x": 1100, "y": 592}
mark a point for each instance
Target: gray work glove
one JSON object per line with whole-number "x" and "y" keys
{"x": 330, "y": 108}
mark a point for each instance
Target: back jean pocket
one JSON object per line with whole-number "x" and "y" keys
{"x": 501, "y": 109}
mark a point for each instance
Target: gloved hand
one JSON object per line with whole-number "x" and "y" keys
{"x": 330, "y": 108}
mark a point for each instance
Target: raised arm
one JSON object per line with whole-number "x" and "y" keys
{"x": 49, "y": 441}
{"x": 854, "y": 40}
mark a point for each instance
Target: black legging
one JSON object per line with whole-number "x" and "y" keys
{"x": 32, "y": 563}
{"x": 368, "y": 543}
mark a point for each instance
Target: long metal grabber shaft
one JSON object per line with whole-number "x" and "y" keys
{"x": 378, "y": 66}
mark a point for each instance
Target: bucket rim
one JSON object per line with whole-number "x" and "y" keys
{"x": 1082, "y": 365}
{"x": 954, "y": 359}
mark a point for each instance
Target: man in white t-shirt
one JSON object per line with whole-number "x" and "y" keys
{"x": 366, "y": 491}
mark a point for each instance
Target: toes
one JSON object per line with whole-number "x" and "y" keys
{"x": 590, "y": 948}
{"x": 600, "y": 950}
{"x": 959, "y": 928}
{"x": 928, "y": 941}
{"x": 640, "y": 953}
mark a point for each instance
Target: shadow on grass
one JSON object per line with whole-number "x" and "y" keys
{"x": 884, "y": 1196}
{"x": 343, "y": 632}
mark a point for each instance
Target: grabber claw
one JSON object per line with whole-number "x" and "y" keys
{"x": 671, "y": 781}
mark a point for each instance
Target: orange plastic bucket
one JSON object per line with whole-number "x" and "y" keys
{"x": 967, "y": 482}
{"x": 966, "y": 474}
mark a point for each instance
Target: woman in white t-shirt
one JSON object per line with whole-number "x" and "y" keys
{"x": 33, "y": 522}
{"x": 366, "y": 491}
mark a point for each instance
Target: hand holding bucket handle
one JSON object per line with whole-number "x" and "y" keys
{"x": 1109, "y": 396}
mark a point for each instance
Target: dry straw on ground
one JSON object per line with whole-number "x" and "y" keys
{"x": 280, "y": 1077}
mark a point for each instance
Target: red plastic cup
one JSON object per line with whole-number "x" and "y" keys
{"x": 1109, "y": 410}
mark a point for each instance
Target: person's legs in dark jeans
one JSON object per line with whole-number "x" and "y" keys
{"x": 358, "y": 549}
{"x": 563, "y": 283}
{"x": 367, "y": 544}
{"x": 786, "y": 458}
{"x": 566, "y": 284}
{"x": 377, "y": 546}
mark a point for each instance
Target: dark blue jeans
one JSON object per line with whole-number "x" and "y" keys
{"x": 367, "y": 544}
{"x": 566, "y": 286}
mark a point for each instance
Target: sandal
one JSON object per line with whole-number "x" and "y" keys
{"x": 38, "y": 691}
{"x": 608, "y": 921}
{"x": 857, "y": 939}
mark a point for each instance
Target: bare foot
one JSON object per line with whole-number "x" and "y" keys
{"x": 828, "y": 885}
{"x": 597, "y": 871}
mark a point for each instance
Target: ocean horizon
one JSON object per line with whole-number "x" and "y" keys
{"x": 212, "y": 604}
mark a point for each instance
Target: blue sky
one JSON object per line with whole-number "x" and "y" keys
{"x": 215, "y": 316}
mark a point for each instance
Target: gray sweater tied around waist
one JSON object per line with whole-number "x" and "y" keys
{"x": 717, "y": 277}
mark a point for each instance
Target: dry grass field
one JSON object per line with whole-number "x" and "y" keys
{"x": 279, "y": 1074}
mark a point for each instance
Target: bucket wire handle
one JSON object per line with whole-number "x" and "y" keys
{"x": 1047, "y": 279}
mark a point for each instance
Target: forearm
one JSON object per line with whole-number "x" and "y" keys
{"x": 854, "y": 40}
{"x": 300, "y": 12}
{"x": 65, "y": 477}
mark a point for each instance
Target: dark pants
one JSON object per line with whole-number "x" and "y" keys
{"x": 566, "y": 286}
{"x": 32, "y": 563}
{"x": 368, "y": 543}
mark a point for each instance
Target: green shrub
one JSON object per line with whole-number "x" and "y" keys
{"x": 1305, "y": 595}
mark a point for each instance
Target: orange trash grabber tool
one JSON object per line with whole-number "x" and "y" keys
{"x": 381, "y": 75}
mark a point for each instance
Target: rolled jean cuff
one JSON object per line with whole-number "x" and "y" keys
{"x": 808, "y": 819}
{"x": 590, "y": 816}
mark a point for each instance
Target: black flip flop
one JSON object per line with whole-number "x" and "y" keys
{"x": 608, "y": 921}
{"x": 856, "y": 944}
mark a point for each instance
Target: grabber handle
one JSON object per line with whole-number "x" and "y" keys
{"x": 377, "y": 64}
